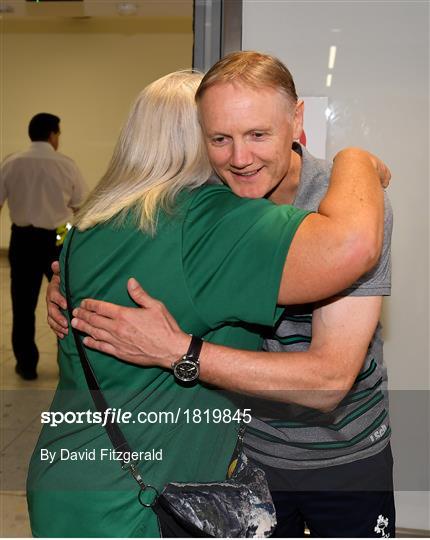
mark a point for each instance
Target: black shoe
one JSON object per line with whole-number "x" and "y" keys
{"x": 26, "y": 374}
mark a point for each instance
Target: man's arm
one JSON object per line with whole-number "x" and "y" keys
{"x": 342, "y": 329}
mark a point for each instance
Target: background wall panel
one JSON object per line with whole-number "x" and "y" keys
{"x": 88, "y": 72}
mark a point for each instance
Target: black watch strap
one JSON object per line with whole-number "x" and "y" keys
{"x": 195, "y": 348}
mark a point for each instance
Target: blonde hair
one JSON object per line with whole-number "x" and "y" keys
{"x": 253, "y": 69}
{"x": 160, "y": 151}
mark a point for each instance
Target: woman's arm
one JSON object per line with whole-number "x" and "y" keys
{"x": 333, "y": 248}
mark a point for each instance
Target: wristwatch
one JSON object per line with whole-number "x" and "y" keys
{"x": 187, "y": 368}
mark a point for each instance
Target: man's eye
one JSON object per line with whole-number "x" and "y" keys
{"x": 258, "y": 134}
{"x": 218, "y": 140}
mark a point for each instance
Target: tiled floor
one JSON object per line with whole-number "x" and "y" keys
{"x": 20, "y": 407}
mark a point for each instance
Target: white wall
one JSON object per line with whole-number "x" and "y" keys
{"x": 88, "y": 72}
{"x": 379, "y": 99}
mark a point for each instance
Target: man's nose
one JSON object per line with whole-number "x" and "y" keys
{"x": 241, "y": 156}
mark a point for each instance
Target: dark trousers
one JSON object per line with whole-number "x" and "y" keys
{"x": 31, "y": 252}
{"x": 351, "y": 500}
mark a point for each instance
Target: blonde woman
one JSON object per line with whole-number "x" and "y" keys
{"x": 193, "y": 246}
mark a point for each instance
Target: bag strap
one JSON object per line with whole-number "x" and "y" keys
{"x": 119, "y": 442}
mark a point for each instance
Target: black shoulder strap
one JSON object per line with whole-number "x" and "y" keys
{"x": 115, "y": 434}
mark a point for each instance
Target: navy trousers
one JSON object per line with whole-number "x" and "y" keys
{"x": 351, "y": 500}
{"x": 31, "y": 252}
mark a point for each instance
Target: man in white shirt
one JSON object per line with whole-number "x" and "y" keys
{"x": 43, "y": 189}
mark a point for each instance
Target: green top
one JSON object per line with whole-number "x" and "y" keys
{"x": 216, "y": 263}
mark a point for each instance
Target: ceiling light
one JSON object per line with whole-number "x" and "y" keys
{"x": 127, "y": 8}
{"x": 328, "y": 80}
{"x": 331, "y": 57}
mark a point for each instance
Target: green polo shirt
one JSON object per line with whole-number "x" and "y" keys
{"x": 216, "y": 261}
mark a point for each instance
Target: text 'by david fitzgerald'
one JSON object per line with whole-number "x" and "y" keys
{"x": 100, "y": 454}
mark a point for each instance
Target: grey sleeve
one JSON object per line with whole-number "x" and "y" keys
{"x": 377, "y": 282}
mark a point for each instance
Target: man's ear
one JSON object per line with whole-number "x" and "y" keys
{"x": 298, "y": 119}
{"x": 53, "y": 139}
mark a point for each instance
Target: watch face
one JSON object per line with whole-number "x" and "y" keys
{"x": 186, "y": 370}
